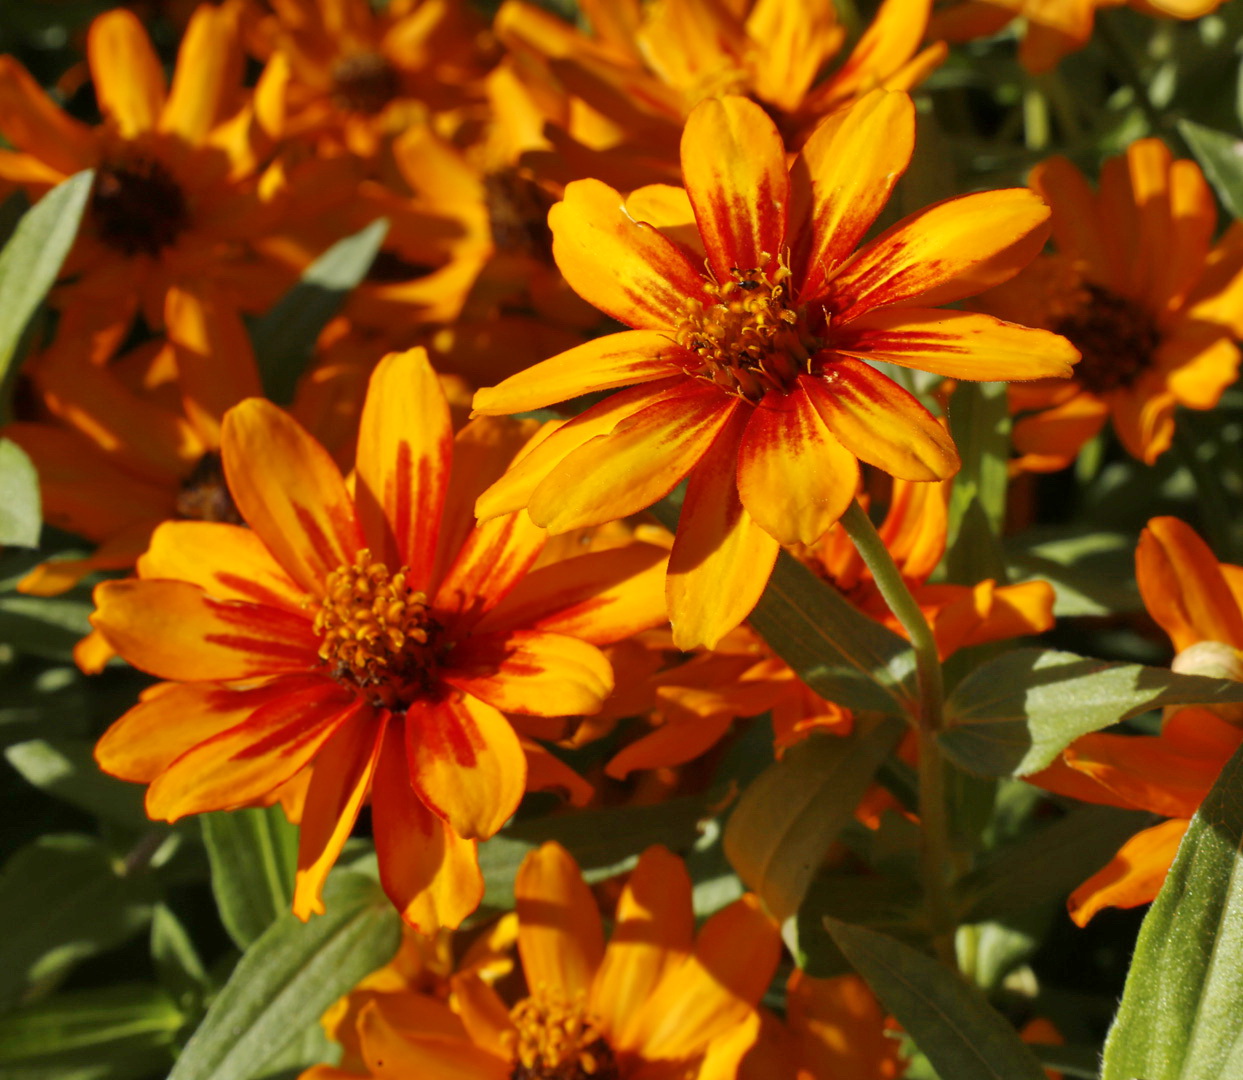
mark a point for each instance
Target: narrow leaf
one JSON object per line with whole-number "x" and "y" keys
{"x": 1014, "y": 715}
{"x": 287, "y": 979}
{"x": 253, "y": 856}
{"x": 85, "y": 1024}
{"x": 46, "y": 626}
{"x": 1179, "y": 1017}
{"x": 177, "y": 962}
{"x": 1091, "y": 573}
{"x": 787, "y": 818}
{"x": 21, "y": 508}
{"x": 951, "y": 1022}
{"x": 1221, "y": 157}
{"x": 66, "y": 769}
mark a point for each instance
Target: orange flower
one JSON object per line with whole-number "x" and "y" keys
{"x": 372, "y": 638}
{"x": 1199, "y": 603}
{"x": 752, "y": 375}
{"x": 656, "y": 1002}
{"x": 1138, "y": 287}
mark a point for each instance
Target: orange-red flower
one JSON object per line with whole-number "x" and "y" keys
{"x": 657, "y": 1002}
{"x": 368, "y": 634}
{"x": 1139, "y": 287}
{"x": 748, "y": 365}
{"x": 1199, "y": 603}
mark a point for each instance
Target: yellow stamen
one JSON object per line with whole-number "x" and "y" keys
{"x": 556, "y": 1039}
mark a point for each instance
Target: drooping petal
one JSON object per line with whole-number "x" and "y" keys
{"x": 465, "y": 763}
{"x": 734, "y": 168}
{"x": 842, "y": 180}
{"x": 794, "y": 477}
{"x": 405, "y": 449}
{"x": 340, "y": 780}
{"x": 721, "y": 559}
{"x": 290, "y": 492}
{"x": 624, "y": 267}
{"x": 958, "y": 344}
{"x": 248, "y": 762}
{"x": 639, "y": 462}
{"x": 878, "y": 421}
{"x": 392, "y": 1055}
{"x": 173, "y": 630}
{"x": 429, "y": 872}
{"x": 129, "y": 80}
{"x": 952, "y": 249}
{"x": 1132, "y": 877}
{"x": 1145, "y": 771}
{"x": 533, "y": 672}
{"x": 560, "y": 935}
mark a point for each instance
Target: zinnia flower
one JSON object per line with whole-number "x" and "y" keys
{"x": 748, "y": 365}
{"x": 657, "y": 1002}
{"x": 374, "y": 638}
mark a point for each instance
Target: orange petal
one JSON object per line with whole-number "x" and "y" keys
{"x": 548, "y": 773}
{"x": 560, "y": 935}
{"x": 494, "y": 558}
{"x": 390, "y": 1055}
{"x": 1051, "y": 439}
{"x": 429, "y": 872}
{"x": 605, "y": 363}
{"x": 952, "y": 249}
{"x": 207, "y": 77}
{"x": 1183, "y": 588}
{"x": 734, "y": 168}
{"x": 533, "y": 672}
{"x": 405, "y": 447}
{"x": 173, "y": 630}
{"x": 726, "y": 1051}
{"x": 638, "y": 463}
{"x": 1132, "y": 877}
{"x": 465, "y": 763}
{"x": 483, "y": 1013}
{"x": 245, "y": 764}
{"x": 31, "y": 121}
{"x": 1145, "y": 771}
{"x": 794, "y": 477}
{"x": 340, "y": 780}
{"x": 840, "y": 1028}
{"x": 290, "y": 492}
{"x": 844, "y": 177}
{"x": 1076, "y": 224}
{"x": 888, "y": 43}
{"x": 721, "y": 559}
{"x": 129, "y": 80}
{"x": 959, "y": 344}
{"x": 624, "y": 267}
{"x": 675, "y": 742}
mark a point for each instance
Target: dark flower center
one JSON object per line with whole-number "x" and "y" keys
{"x": 204, "y": 495}
{"x": 518, "y": 213}
{"x": 139, "y": 208}
{"x": 1117, "y": 337}
{"x": 364, "y": 82}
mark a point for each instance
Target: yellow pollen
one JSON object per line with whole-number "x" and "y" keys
{"x": 373, "y": 626}
{"x": 555, "y": 1039}
{"x": 746, "y": 339}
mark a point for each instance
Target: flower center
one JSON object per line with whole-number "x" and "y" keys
{"x": 376, "y": 632}
{"x": 1117, "y": 337}
{"x": 518, "y": 214}
{"x": 746, "y": 339}
{"x": 139, "y": 208}
{"x": 364, "y": 82}
{"x": 556, "y": 1040}
{"x": 204, "y": 495}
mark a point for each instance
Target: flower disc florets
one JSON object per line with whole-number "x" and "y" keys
{"x": 138, "y": 205}
{"x": 556, "y": 1039}
{"x": 1117, "y": 337}
{"x": 364, "y": 82}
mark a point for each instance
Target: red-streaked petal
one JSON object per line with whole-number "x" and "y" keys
{"x": 405, "y": 449}
{"x": 721, "y": 559}
{"x": 624, "y": 267}
{"x": 174, "y": 630}
{"x": 639, "y": 462}
{"x": 129, "y": 79}
{"x": 605, "y": 363}
{"x": 245, "y": 764}
{"x": 340, "y": 780}
{"x": 430, "y": 873}
{"x": 290, "y": 492}
{"x": 734, "y": 168}
{"x": 842, "y": 180}
{"x": 878, "y": 421}
{"x": 958, "y": 344}
{"x": 465, "y": 763}
{"x": 528, "y": 671}
{"x": 952, "y": 249}
{"x": 494, "y": 558}
{"x": 794, "y": 477}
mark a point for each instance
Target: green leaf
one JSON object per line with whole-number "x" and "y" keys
{"x": 1090, "y": 572}
{"x": 787, "y": 818}
{"x": 284, "y": 338}
{"x": 66, "y": 769}
{"x": 31, "y": 260}
{"x": 1221, "y": 157}
{"x": 21, "y": 508}
{"x": 46, "y": 626}
{"x": 980, "y": 423}
{"x": 288, "y": 977}
{"x": 951, "y": 1022}
{"x": 1014, "y": 715}
{"x": 1179, "y": 1017}
{"x": 69, "y": 899}
{"x": 253, "y": 855}
{"x": 176, "y": 960}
